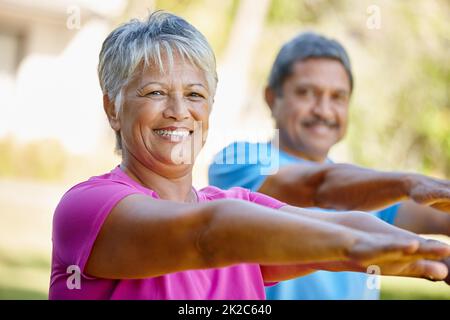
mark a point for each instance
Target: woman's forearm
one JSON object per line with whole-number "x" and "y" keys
{"x": 244, "y": 232}
{"x": 352, "y": 219}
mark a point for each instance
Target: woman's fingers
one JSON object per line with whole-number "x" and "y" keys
{"x": 376, "y": 249}
{"x": 447, "y": 264}
{"x": 432, "y": 270}
{"x": 396, "y": 256}
{"x": 433, "y": 249}
{"x": 429, "y": 249}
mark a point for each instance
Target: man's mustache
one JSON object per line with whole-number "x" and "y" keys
{"x": 320, "y": 121}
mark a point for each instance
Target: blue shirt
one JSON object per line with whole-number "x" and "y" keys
{"x": 246, "y": 165}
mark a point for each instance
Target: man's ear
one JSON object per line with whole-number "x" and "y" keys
{"x": 270, "y": 96}
{"x": 110, "y": 111}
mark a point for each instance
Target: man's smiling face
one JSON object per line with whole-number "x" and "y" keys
{"x": 312, "y": 108}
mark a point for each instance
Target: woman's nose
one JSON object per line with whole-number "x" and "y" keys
{"x": 176, "y": 109}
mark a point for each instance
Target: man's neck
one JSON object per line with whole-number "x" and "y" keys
{"x": 302, "y": 155}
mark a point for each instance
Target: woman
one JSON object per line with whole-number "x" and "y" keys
{"x": 142, "y": 231}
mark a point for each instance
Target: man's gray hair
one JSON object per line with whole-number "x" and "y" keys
{"x": 145, "y": 43}
{"x": 304, "y": 46}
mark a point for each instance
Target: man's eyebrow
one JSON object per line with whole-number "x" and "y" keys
{"x": 312, "y": 85}
{"x": 342, "y": 91}
{"x": 306, "y": 84}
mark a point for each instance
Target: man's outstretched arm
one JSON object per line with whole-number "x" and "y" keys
{"x": 422, "y": 219}
{"x": 349, "y": 187}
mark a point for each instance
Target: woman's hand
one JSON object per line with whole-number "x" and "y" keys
{"x": 389, "y": 254}
{"x": 393, "y": 250}
{"x": 420, "y": 259}
{"x": 447, "y": 263}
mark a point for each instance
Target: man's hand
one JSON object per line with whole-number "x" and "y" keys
{"x": 430, "y": 192}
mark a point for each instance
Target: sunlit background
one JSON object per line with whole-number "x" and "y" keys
{"x": 53, "y": 132}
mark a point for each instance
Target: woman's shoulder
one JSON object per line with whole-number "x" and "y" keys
{"x": 95, "y": 192}
{"x": 100, "y": 183}
{"x": 211, "y": 193}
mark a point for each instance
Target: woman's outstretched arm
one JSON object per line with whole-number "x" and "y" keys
{"x": 143, "y": 237}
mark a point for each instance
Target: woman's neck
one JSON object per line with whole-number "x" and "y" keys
{"x": 171, "y": 187}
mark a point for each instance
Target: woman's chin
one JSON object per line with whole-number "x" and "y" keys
{"x": 181, "y": 153}
{"x": 173, "y": 154}
{"x": 175, "y": 159}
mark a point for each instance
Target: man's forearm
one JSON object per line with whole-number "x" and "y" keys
{"x": 348, "y": 187}
{"x": 422, "y": 220}
{"x": 337, "y": 186}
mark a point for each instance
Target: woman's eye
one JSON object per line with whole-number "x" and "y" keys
{"x": 195, "y": 95}
{"x": 155, "y": 93}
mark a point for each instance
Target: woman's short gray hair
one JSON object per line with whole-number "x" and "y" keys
{"x": 136, "y": 42}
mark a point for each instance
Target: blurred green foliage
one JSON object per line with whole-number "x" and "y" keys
{"x": 39, "y": 159}
{"x": 300, "y": 12}
{"x": 410, "y": 126}
{"x": 213, "y": 18}
{"x": 400, "y": 109}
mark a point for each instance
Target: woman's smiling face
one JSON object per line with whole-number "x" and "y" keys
{"x": 164, "y": 116}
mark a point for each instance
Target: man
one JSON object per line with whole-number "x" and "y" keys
{"x": 308, "y": 93}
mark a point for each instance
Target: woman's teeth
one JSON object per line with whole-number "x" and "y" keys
{"x": 172, "y": 133}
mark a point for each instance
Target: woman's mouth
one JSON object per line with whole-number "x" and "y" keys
{"x": 173, "y": 134}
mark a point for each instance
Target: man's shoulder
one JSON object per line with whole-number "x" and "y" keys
{"x": 243, "y": 164}
{"x": 239, "y": 148}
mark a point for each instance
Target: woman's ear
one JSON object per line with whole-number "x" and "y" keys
{"x": 110, "y": 110}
